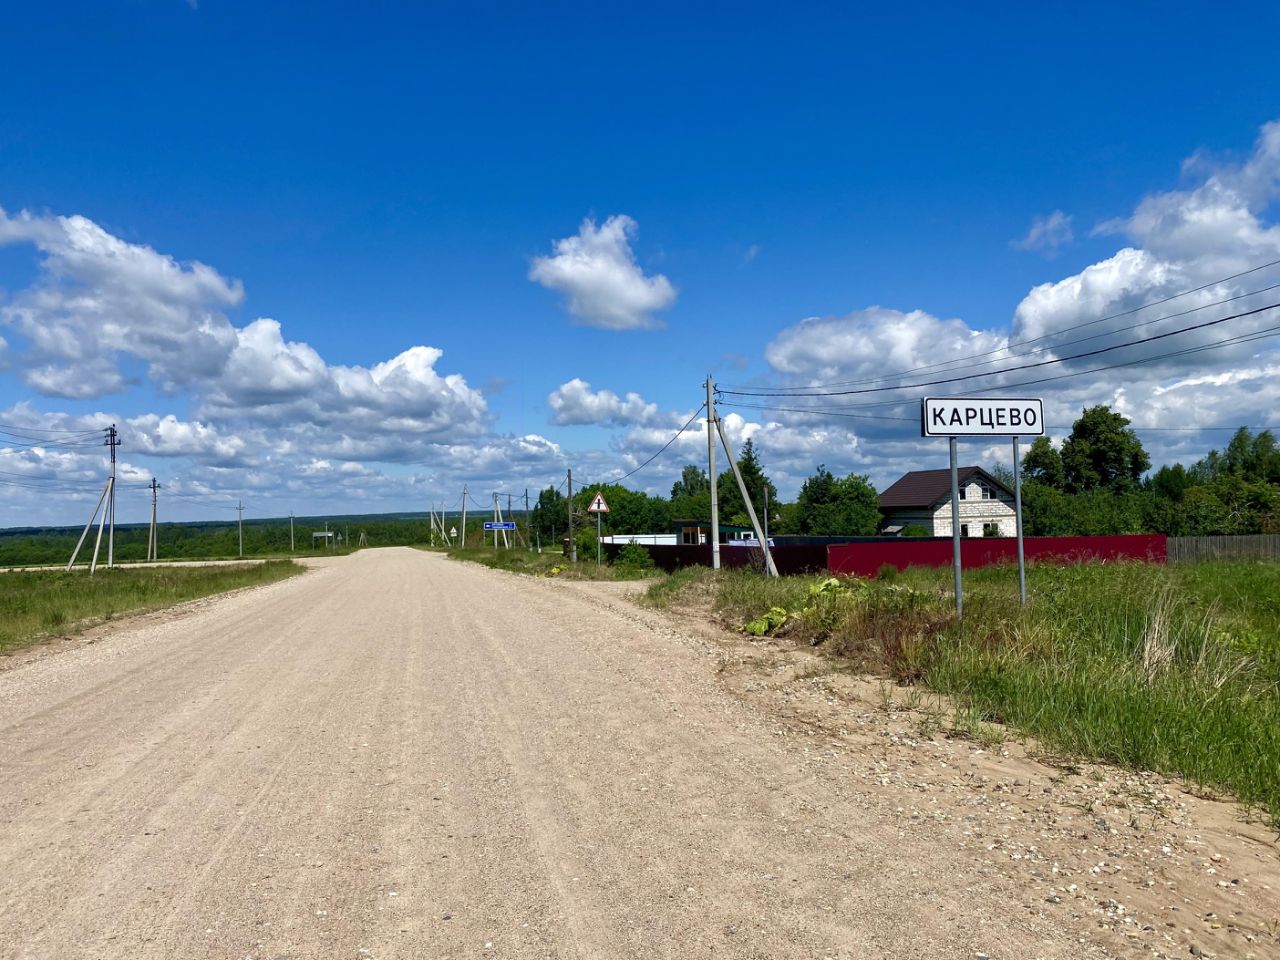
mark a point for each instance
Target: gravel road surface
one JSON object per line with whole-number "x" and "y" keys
{"x": 398, "y": 755}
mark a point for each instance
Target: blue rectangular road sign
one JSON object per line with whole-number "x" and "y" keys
{"x": 496, "y": 525}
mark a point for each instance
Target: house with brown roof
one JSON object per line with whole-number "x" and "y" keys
{"x": 923, "y": 498}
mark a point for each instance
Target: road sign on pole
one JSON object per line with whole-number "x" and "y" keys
{"x": 981, "y": 417}
{"x": 598, "y": 507}
{"x": 953, "y": 417}
{"x": 499, "y": 525}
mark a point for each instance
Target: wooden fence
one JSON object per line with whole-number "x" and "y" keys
{"x": 1260, "y": 546}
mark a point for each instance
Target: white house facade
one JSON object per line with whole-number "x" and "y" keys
{"x": 923, "y": 498}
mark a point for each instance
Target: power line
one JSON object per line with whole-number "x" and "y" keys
{"x": 959, "y": 364}
{"x": 1005, "y": 370}
{"x": 1055, "y": 333}
{"x": 664, "y": 447}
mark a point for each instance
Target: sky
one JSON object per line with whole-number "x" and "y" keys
{"x": 327, "y": 259}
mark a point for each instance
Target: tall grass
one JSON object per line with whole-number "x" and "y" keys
{"x": 550, "y": 564}
{"x": 1175, "y": 669}
{"x": 35, "y": 605}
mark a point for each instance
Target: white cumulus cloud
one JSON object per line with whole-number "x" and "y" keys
{"x": 597, "y": 272}
{"x": 575, "y": 403}
{"x": 1047, "y": 233}
{"x": 98, "y": 297}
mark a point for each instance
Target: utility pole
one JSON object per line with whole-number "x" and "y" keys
{"x": 291, "y": 531}
{"x": 240, "y": 524}
{"x": 712, "y": 423}
{"x": 464, "y": 517}
{"x": 113, "y": 441}
{"x": 573, "y": 546}
{"x": 769, "y": 566}
{"x": 766, "y": 512}
{"x": 152, "y": 545}
{"x": 528, "y": 526}
{"x": 106, "y": 503}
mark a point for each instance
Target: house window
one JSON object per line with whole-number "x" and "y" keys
{"x": 991, "y": 529}
{"x": 964, "y": 529}
{"x": 987, "y": 492}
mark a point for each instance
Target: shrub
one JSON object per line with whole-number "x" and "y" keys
{"x": 634, "y": 557}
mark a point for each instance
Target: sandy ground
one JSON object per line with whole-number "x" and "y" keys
{"x": 397, "y": 755}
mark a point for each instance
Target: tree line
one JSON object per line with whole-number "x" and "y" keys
{"x": 1097, "y": 482}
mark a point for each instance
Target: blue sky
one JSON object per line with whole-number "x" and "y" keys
{"x": 378, "y": 180}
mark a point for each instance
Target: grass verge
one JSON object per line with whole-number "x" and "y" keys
{"x": 38, "y": 604}
{"x": 1174, "y": 669}
{"x": 520, "y": 560}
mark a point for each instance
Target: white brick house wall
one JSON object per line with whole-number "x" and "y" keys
{"x": 976, "y": 512}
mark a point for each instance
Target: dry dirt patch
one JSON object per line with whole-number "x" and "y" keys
{"x": 1146, "y": 865}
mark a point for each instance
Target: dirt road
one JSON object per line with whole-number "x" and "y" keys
{"x": 397, "y": 755}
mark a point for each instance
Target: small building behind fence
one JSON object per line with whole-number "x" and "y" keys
{"x": 922, "y": 498}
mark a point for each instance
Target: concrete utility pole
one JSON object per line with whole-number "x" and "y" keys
{"x": 291, "y": 531}
{"x": 573, "y": 546}
{"x": 711, "y": 474}
{"x": 464, "y": 516}
{"x": 240, "y": 524}
{"x": 769, "y": 566}
{"x": 152, "y": 545}
{"x": 113, "y": 441}
{"x": 528, "y": 527}
{"x": 106, "y": 503}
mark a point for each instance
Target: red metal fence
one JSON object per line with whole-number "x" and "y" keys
{"x": 866, "y": 559}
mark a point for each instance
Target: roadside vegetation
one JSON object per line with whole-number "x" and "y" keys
{"x": 632, "y": 563}
{"x": 37, "y": 605}
{"x": 1174, "y": 669}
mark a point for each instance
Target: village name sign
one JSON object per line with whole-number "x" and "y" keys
{"x": 985, "y": 417}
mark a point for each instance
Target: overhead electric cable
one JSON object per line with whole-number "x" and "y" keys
{"x": 664, "y": 447}
{"x": 1005, "y": 370}
{"x": 1054, "y": 333}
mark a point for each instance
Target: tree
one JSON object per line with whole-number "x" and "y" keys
{"x": 1103, "y": 453}
{"x": 693, "y": 481}
{"x": 1250, "y": 457}
{"x": 732, "y": 507}
{"x": 1043, "y": 464}
{"x": 550, "y": 515}
{"x": 828, "y": 506}
{"x": 1171, "y": 482}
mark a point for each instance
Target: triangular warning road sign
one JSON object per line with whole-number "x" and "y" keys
{"x": 598, "y": 505}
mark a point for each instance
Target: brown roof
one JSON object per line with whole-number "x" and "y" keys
{"x": 925, "y": 488}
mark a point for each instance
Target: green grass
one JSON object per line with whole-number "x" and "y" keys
{"x": 35, "y": 605}
{"x": 520, "y": 560}
{"x": 1174, "y": 669}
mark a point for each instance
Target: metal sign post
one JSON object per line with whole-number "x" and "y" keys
{"x": 1017, "y": 507}
{"x": 953, "y": 417}
{"x": 598, "y": 507}
{"x": 955, "y": 529}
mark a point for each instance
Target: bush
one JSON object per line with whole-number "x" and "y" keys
{"x": 634, "y": 557}
{"x": 914, "y": 530}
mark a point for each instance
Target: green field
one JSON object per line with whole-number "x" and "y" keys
{"x": 36, "y": 605}
{"x": 1174, "y": 669}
